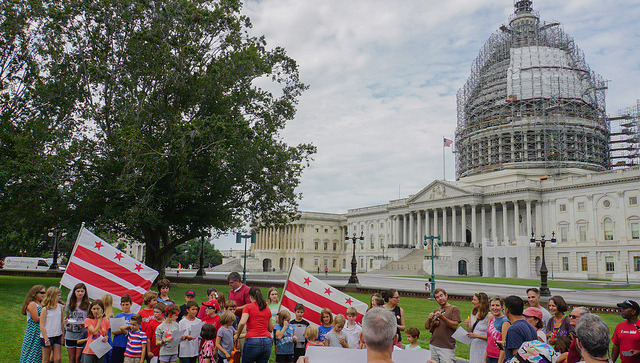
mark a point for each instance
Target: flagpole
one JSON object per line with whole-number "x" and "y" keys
{"x": 293, "y": 262}
{"x": 444, "y": 175}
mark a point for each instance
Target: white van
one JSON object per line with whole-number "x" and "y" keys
{"x": 27, "y": 263}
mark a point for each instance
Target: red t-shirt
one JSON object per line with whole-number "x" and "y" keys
{"x": 147, "y": 316}
{"x": 627, "y": 337}
{"x": 258, "y": 323}
{"x": 151, "y": 336}
{"x": 241, "y": 297}
{"x": 214, "y": 321}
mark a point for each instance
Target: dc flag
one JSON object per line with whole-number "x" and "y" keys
{"x": 106, "y": 270}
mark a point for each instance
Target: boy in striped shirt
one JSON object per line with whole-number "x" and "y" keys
{"x": 136, "y": 342}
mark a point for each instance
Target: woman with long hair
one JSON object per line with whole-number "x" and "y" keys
{"x": 77, "y": 309}
{"x": 257, "y": 318}
{"x": 392, "y": 299}
{"x": 31, "y": 350}
{"x": 477, "y": 326}
{"x": 558, "y": 325}
{"x": 498, "y": 325}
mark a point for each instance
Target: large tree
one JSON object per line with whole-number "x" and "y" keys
{"x": 184, "y": 140}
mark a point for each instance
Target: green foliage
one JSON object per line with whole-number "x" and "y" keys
{"x": 189, "y": 254}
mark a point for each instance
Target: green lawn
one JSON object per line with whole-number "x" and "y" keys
{"x": 14, "y": 289}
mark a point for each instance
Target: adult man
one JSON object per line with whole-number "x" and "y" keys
{"x": 533, "y": 295}
{"x": 444, "y": 321}
{"x": 519, "y": 331}
{"x": 379, "y": 335}
{"x": 239, "y": 292}
{"x": 626, "y": 337}
{"x": 573, "y": 356}
{"x": 592, "y": 338}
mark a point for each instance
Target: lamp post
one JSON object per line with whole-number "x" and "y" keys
{"x": 200, "y": 273}
{"x": 245, "y": 237}
{"x": 433, "y": 276}
{"x": 544, "y": 288}
{"x": 57, "y": 235}
{"x": 353, "y": 279}
{"x": 382, "y": 251}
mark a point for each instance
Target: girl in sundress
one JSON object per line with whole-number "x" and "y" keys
{"x": 31, "y": 350}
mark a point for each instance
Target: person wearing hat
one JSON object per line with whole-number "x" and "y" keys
{"x": 190, "y": 295}
{"x": 212, "y": 317}
{"x": 626, "y": 337}
{"x": 533, "y": 316}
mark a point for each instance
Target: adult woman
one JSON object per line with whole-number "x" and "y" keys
{"x": 392, "y": 299}
{"x": 533, "y": 316}
{"x": 477, "y": 327}
{"x": 257, "y": 317}
{"x": 31, "y": 350}
{"x": 498, "y": 325}
{"x": 558, "y": 325}
{"x": 273, "y": 302}
{"x": 77, "y": 310}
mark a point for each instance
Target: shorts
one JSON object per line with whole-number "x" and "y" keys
{"x": 168, "y": 358}
{"x": 131, "y": 360}
{"x": 73, "y": 344}
{"x": 284, "y": 358}
{"x": 53, "y": 340}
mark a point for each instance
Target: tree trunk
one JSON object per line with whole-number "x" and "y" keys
{"x": 159, "y": 250}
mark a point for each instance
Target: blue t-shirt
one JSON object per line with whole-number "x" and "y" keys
{"x": 322, "y": 332}
{"x": 497, "y": 322}
{"x": 285, "y": 345}
{"x": 120, "y": 340}
{"x": 519, "y": 332}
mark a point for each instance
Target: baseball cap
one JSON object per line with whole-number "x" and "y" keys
{"x": 190, "y": 293}
{"x": 535, "y": 312}
{"x": 212, "y": 303}
{"x": 629, "y": 304}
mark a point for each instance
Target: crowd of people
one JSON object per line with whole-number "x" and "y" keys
{"x": 247, "y": 324}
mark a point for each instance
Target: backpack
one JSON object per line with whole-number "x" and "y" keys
{"x": 535, "y": 351}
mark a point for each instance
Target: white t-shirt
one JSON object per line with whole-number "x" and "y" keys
{"x": 189, "y": 348}
{"x": 53, "y": 322}
{"x": 353, "y": 335}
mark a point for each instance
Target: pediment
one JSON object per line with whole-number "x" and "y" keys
{"x": 437, "y": 190}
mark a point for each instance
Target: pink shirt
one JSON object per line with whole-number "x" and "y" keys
{"x": 104, "y": 330}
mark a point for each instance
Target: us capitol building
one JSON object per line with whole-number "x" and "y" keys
{"x": 535, "y": 154}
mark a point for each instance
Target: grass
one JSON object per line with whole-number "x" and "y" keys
{"x": 557, "y": 284}
{"x": 13, "y": 290}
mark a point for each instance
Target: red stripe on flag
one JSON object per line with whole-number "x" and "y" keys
{"x": 319, "y": 300}
{"x": 110, "y": 266}
{"x": 311, "y": 315}
{"x": 101, "y": 282}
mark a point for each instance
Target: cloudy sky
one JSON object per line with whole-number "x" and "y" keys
{"x": 383, "y": 77}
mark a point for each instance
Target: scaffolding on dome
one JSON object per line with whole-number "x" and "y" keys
{"x": 624, "y": 145}
{"x": 531, "y": 101}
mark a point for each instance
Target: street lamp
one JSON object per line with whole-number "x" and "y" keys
{"x": 544, "y": 288}
{"x": 200, "y": 273}
{"x": 245, "y": 237}
{"x": 433, "y": 276}
{"x": 57, "y": 235}
{"x": 353, "y": 279}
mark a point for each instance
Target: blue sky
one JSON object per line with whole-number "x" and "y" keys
{"x": 383, "y": 78}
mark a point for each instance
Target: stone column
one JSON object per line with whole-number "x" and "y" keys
{"x": 505, "y": 225}
{"x": 411, "y": 239}
{"x": 454, "y": 235}
{"x": 427, "y": 223}
{"x": 398, "y": 230}
{"x": 483, "y": 221}
{"x": 464, "y": 223}
{"x": 444, "y": 224}
{"x": 494, "y": 234}
{"x": 529, "y": 217}
{"x": 474, "y": 234}
{"x": 435, "y": 222}
{"x": 538, "y": 230}
{"x": 516, "y": 220}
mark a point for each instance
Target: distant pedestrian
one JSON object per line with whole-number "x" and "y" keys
{"x": 326, "y": 271}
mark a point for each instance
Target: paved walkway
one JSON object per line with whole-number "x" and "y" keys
{"x": 602, "y": 297}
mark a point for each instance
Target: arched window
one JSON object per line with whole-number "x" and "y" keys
{"x": 608, "y": 229}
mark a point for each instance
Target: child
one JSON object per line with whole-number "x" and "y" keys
{"x": 231, "y": 306}
{"x": 136, "y": 341}
{"x": 285, "y": 340}
{"x": 311, "y": 335}
{"x": 77, "y": 309}
{"x": 273, "y": 303}
{"x": 413, "y": 334}
{"x": 163, "y": 292}
{"x": 212, "y": 316}
{"x": 98, "y": 326}
{"x": 224, "y": 340}
{"x": 208, "y": 333}
{"x": 153, "y": 350}
{"x": 189, "y": 346}
{"x": 119, "y": 342}
{"x": 299, "y": 326}
{"x": 211, "y": 295}
{"x": 107, "y": 300}
{"x": 377, "y": 302}
{"x": 164, "y": 335}
{"x": 149, "y": 299}
{"x": 336, "y": 338}
{"x": 352, "y": 329}
{"x": 190, "y": 295}
{"x": 51, "y": 326}
{"x": 221, "y": 301}
{"x": 326, "y": 317}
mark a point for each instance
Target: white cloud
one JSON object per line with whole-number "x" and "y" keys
{"x": 383, "y": 78}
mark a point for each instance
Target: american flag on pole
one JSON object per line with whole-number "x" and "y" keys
{"x": 106, "y": 270}
{"x": 316, "y": 295}
{"x": 447, "y": 142}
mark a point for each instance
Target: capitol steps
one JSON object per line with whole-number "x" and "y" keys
{"x": 409, "y": 265}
